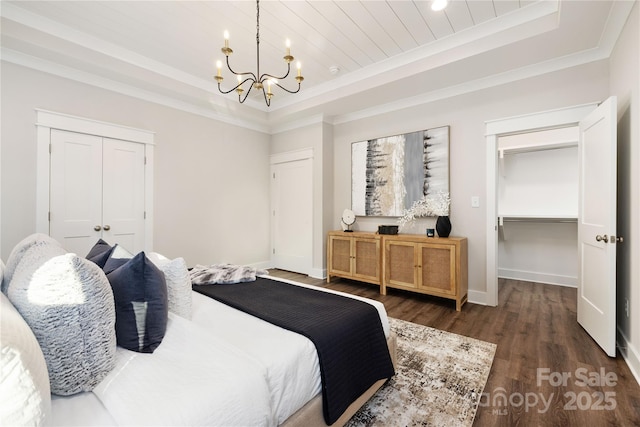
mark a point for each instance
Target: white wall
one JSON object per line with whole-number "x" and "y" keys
{"x": 211, "y": 194}
{"x": 625, "y": 84}
{"x": 466, "y": 115}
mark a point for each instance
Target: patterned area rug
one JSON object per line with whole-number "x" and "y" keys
{"x": 439, "y": 380}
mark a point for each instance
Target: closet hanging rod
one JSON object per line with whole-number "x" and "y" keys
{"x": 502, "y": 219}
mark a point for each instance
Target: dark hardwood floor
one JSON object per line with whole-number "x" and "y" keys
{"x": 547, "y": 370}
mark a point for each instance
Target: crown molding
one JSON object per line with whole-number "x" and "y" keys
{"x": 495, "y": 80}
{"x": 79, "y": 38}
{"x": 277, "y": 123}
{"x": 49, "y": 67}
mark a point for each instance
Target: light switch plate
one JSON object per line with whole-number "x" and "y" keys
{"x": 475, "y": 202}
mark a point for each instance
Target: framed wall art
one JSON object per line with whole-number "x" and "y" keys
{"x": 389, "y": 174}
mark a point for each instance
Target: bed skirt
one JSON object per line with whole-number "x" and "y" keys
{"x": 311, "y": 415}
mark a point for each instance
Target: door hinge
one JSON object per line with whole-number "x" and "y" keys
{"x": 50, "y": 148}
{"x": 274, "y": 251}
{"x": 274, "y": 175}
{"x": 144, "y": 215}
{"x": 145, "y": 160}
{"x": 49, "y": 216}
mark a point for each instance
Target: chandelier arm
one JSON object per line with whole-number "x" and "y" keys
{"x": 266, "y": 75}
{"x": 287, "y": 90}
{"x": 245, "y": 95}
{"x": 237, "y": 86}
{"x": 248, "y": 73}
{"x": 267, "y": 100}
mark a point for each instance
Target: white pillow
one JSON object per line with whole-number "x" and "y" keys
{"x": 1, "y": 274}
{"x": 68, "y": 303}
{"x": 24, "y": 381}
{"x": 178, "y": 281}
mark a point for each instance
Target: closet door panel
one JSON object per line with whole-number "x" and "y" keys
{"x": 76, "y": 190}
{"x": 123, "y": 194}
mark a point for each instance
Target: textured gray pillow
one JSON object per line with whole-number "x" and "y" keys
{"x": 179, "y": 290}
{"x": 67, "y": 302}
{"x": 36, "y": 239}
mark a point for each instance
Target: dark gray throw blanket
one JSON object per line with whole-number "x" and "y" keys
{"x": 347, "y": 333}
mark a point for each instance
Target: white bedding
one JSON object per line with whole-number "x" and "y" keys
{"x": 290, "y": 359}
{"x": 192, "y": 378}
{"x": 224, "y": 367}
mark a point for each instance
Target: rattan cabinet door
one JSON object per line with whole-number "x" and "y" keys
{"x": 367, "y": 259}
{"x": 400, "y": 268}
{"x": 438, "y": 268}
{"x": 340, "y": 255}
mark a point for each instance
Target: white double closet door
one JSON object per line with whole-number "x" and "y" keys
{"x": 97, "y": 190}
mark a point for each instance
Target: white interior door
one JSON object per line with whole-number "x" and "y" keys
{"x": 123, "y": 194}
{"x": 597, "y": 226}
{"x": 75, "y": 204}
{"x": 97, "y": 191}
{"x": 292, "y": 215}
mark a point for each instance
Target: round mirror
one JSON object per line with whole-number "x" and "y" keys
{"x": 348, "y": 218}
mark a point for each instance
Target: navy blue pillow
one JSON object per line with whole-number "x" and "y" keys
{"x": 117, "y": 256}
{"x": 99, "y": 253}
{"x": 140, "y": 294}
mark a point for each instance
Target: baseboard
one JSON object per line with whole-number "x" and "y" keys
{"x": 477, "y": 297}
{"x": 630, "y": 354}
{"x": 318, "y": 273}
{"x": 263, "y": 265}
{"x": 532, "y": 276}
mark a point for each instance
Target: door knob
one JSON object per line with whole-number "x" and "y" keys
{"x": 97, "y": 228}
{"x": 617, "y": 239}
{"x": 604, "y": 238}
{"x": 107, "y": 227}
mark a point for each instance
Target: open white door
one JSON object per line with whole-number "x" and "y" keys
{"x": 597, "y": 226}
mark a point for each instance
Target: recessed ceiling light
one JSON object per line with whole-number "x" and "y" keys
{"x": 334, "y": 69}
{"x": 438, "y": 4}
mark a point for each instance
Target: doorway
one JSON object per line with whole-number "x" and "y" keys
{"x": 596, "y": 219}
{"x": 292, "y": 211}
{"x": 495, "y": 130}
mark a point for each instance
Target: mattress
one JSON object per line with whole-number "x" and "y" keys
{"x": 224, "y": 367}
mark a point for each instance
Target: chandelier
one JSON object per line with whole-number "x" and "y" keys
{"x": 256, "y": 80}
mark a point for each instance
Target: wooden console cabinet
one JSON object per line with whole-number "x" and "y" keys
{"x": 355, "y": 255}
{"x": 428, "y": 265}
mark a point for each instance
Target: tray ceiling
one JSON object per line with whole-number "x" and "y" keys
{"x": 384, "y": 51}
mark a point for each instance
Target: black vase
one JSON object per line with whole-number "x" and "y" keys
{"x": 443, "y": 226}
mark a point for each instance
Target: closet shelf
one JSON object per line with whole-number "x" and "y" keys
{"x": 525, "y": 148}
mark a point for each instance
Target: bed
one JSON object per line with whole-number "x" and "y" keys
{"x": 220, "y": 367}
